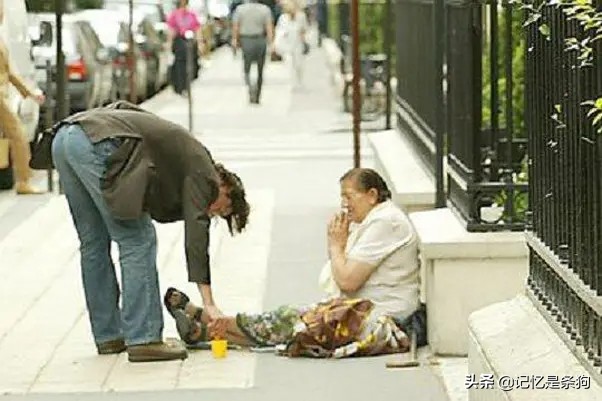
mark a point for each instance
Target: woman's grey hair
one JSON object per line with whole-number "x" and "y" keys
{"x": 366, "y": 179}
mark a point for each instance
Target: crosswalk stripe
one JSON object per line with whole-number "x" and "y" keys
{"x": 290, "y": 148}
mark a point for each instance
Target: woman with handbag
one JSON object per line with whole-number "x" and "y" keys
{"x": 290, "y": 40}
{"x": 12, "y": 130}
{"x": 371, "y": 278}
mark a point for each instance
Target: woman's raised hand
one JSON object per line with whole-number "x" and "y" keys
{"x": 338, "y": 230}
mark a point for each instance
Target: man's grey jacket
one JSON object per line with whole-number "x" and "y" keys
{"x": 160, "y": 169}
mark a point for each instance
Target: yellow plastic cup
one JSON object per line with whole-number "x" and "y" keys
{"x": 219, "y": 348}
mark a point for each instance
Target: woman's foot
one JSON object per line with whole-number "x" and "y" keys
{"x": 24, "y": 188}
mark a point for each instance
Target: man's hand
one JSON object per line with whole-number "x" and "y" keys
{"x": 338, "y": 231}
{"x": 235, "y": 43}
{"x": 218, "y": 324}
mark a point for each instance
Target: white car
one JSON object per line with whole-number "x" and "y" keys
{"x": 14, "y": 33}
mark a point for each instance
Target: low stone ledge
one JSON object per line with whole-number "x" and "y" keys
{"x": 512, "y": 339}
{"x": 412, "y": 187}
{"x": 444, "y": 236}
{"x": 463, "y": 272}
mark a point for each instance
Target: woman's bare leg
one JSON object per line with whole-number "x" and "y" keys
{"x": 235, "y": 335}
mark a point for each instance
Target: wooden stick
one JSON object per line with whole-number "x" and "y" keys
{"x": 412, "y": 362}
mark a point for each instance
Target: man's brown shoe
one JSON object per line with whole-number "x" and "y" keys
{"x": 160, "y": 351}
{"x": 111, "y": 347}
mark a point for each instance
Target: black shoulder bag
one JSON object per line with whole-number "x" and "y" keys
{"x": 41, "y": 149}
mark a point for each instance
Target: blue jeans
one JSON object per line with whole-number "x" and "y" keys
{"x": 81, "y": 165}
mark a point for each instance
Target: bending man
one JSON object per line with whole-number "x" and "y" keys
{"x": 121, "y": 167}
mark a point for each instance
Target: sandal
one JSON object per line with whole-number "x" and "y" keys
{"x": 188, "y": 328}
{"x": 181, "y": 305}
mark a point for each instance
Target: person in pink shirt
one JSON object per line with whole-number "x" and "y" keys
{"x": 180, "y": 21}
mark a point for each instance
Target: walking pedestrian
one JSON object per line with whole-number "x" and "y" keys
{"x": 253, "y": 31}
{"x": 121, "y": 167}
{"x": 290, "y": 39}
{"x": 322, "y": 20}
{"x": 11, "y": 125}
{"x": 180, "y": 21}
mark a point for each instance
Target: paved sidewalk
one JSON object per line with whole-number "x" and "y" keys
{"x": 290, "y": 151}
{"x": 45, "y": 341}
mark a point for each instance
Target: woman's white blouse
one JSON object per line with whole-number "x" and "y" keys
{"x": 387, "y": 241}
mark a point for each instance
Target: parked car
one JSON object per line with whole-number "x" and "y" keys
{"x": 87, "y": 61}
{"x": 155, "y": 52}
{"x": 14, "y": 35}
{"x": 113, "y": 33}
{"x": 151, "y": 44}
{"x": 155, "y": 10}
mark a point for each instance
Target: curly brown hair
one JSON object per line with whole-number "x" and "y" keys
{"x": 238, "y": 219}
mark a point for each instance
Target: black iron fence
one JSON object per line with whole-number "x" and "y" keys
{"x": 417, "y": 75}
{"x": 565, "y": 239}
{"x": 485, "y": 147}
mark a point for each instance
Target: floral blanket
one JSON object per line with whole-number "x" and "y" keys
{"x": 335, "y": 328}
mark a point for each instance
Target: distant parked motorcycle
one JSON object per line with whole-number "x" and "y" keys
{"x": 373, "y": 89}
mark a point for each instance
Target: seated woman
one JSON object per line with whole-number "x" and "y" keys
{"x": 372, "y": 278}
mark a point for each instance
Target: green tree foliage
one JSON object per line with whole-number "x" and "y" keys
{"x": 39, "y": 5}
{"x": 371, "y": 24}
{"x": 84, "y": 4}
{"x": 585, "y": 43}
{"x": 372, "y": 18}
{"x": 48, "y": 5}
{"x": 518, "y": 74}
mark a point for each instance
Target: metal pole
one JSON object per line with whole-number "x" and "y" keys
{"x": 61, "y": 72}
{"x": 48, "y": 118}
{"x": 189, "y": 50}
{"x": 355, "y": 83}
{"x": 387, "y": 39}
{"x": 61, "y": 79}
{"x": 131, "y": 54}
{"x": 439, "y": 21}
